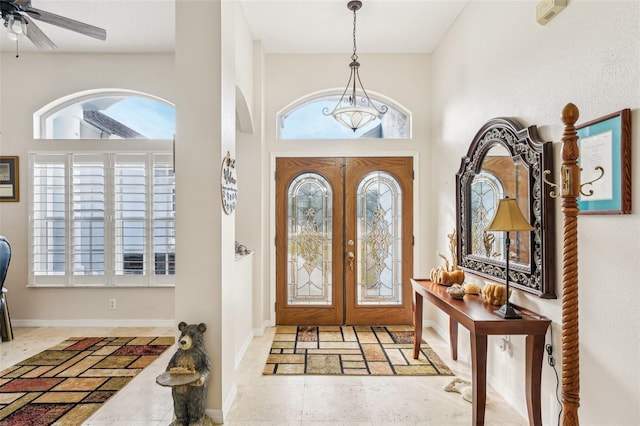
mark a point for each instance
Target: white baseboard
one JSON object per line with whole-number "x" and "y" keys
{"x": 432, "y": 324}
{"x": 94, "y": 323}
{"x": 243, "y": 350}
{"x": 260, "y": 331}
{"x": 214, "y": 414}
{"x": 217, "y": 414}
{"x": 226, "y": 407}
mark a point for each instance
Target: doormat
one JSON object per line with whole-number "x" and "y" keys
{"x": 351, "y": 350}
{"x": 67, "y": 383}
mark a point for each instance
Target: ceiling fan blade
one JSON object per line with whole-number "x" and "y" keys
{"x": 37, "y": 37}
{"x": 67, "y": 23}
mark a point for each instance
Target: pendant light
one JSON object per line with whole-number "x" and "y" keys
{"x": 348, "y": 111}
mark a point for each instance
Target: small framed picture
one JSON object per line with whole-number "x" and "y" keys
{"x": 605, "y": 160}
{"x": 9, "y": 188}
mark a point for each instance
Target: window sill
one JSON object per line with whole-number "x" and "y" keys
{"x": 111, "y": 287}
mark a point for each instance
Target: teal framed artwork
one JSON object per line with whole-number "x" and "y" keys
{"x": 605, "y": 161}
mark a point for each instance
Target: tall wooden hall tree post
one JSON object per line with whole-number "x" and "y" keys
{"x": 570, "y": 190}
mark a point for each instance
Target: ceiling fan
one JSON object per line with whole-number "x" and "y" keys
{"x": 18, "y": 16}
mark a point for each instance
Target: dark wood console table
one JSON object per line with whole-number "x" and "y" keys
{"x": 477, "y": 317}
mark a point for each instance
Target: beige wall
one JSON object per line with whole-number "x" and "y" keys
{"x": 28, "y": 83}
{"x": 496, "y": 61}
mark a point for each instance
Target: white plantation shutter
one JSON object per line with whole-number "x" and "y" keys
{"x": 130, "y": 224}
{"x": 48, "y": 223}
{"x": 88, "y": 218}
{"x": 102, "y": 219}
{"x": 164, "y": 237}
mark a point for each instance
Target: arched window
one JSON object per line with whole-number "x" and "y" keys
{"x": 106, "y": 114}
{"x": 303, "y": 119}
{"x": 103, "y": 214}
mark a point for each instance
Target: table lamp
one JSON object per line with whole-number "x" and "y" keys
{"x": 508, "y": 218}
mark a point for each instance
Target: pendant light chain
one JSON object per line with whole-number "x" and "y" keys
{"x": 354, "y": 57}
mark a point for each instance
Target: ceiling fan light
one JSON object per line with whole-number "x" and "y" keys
{"x": 13, "y": 36}
{"x": 16, "y": 26}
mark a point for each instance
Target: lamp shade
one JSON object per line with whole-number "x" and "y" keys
{"x": 509, "y": 217}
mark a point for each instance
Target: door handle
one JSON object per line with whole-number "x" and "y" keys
{"x": 350, "y": 258}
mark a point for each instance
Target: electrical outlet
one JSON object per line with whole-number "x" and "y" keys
{"x": 112, "y": 303}
{"x": 551, "y": 359}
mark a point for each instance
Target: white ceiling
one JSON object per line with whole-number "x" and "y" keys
{"x": 284, "y": 26}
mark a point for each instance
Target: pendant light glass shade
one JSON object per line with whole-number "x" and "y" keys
{"x": 355, "y": 117}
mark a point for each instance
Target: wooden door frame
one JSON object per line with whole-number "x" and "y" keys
{"x": 272, "y": 206}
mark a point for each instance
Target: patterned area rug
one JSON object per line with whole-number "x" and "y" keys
{"x": 67, "y": 383}
{"x": 351, "y": 350}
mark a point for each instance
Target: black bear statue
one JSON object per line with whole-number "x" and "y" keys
{"x": 190, "y": 365}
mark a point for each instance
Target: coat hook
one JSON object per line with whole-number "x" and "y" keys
{"x": 552, "y": 194}
{"x": 587, "y": 194}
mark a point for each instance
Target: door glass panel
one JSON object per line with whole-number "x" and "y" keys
{"x": 309, "y": 219}
{"x": 379, "y": 236}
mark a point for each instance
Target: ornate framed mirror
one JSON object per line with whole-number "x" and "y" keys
{"x": 507, "y": 159}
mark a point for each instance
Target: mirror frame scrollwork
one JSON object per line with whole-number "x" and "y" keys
{"x": 525, "y": 146}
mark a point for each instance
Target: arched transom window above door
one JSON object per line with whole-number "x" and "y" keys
{"x": 304, "y": 119}
{"x": 106, "y": 114}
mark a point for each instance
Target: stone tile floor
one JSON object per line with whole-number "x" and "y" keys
{"x": 281, "y": 400}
